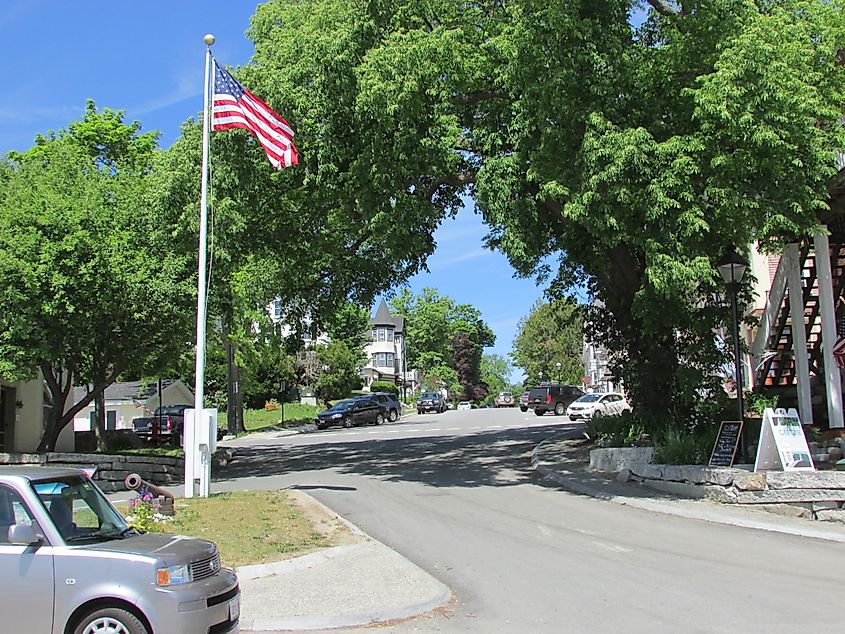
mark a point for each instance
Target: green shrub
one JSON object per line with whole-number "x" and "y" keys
{"x": 384, "y": 386}
{"x": 685, "y": 446}
{"x": 624, "y": 430}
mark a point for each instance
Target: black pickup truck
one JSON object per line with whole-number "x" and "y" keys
{"x": 165, "y": 425}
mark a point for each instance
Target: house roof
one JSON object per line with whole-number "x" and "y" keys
{"x": 384, "y": 318}
{"x": 127, "y": 391}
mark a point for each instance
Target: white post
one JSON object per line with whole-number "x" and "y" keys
{"x": 828, "y": 315}
{"x": 190, "y": 436}
{"x": 799, "y": 331}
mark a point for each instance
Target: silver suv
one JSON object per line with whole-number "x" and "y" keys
{"x": 70, "y": 564}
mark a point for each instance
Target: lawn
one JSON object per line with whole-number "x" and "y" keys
{"x": 252, "y": 527}
{"x": 295, "y": 415}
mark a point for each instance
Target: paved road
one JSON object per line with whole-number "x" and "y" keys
{"x": 455, "y": 494}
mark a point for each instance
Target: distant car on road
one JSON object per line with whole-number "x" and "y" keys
{"x": 552, "y": 397}
{"x": 464, "y": 405}
{"x": 598, "y": 403}
{"x": 504, "y": 399}
{"x": 352, "y": 412}
{"x": 165, "y": 425}
{"x": 431, "y": 402}
{"x": 523, "y": 401}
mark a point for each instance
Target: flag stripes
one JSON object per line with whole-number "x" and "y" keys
{"x": 233, "y": 106}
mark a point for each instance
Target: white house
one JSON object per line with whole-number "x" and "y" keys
{"x": 132, "y": 399}
{"x": 386, "y": 351}
{"x": 23, "y": 405}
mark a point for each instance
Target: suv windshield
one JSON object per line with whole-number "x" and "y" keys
{"x": 79, "y": 510}
{"x": 430, "y": 395}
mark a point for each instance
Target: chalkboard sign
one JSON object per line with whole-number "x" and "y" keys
{"x": 726, "y": 442}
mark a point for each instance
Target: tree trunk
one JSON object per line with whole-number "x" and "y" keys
{"x": 100, "y": 419}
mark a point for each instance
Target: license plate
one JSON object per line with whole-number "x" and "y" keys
{"x": 234, "y": 608}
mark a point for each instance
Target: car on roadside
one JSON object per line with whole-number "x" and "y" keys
{"x": 391, "y": 403}
{"x": 165, "y": 425}
{"x": 523, "y": 401}
{"x": 504, "y": 399}
{"x": 552, "y": 397}
{"x": 71, "y": 559}
{"x": 431, "y": 402}
{"x": 351, "y": 413}
{"x": 589, "y": 405}
{"x": 464, "y": 405}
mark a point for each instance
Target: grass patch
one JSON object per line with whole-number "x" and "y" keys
{"x": 162, "y": 451}
{"x": 295, "y": 415}
{"x": 249, "y": 527}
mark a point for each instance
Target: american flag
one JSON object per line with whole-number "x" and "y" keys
{"x": 839, "y": 346}
{"x": 235, "y": 107}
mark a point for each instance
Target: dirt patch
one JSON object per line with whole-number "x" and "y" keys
{"x": 324, "y": 521}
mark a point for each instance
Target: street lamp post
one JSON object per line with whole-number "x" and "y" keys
{"x": 732, "y": 269}
{"x": 558, "y": 364}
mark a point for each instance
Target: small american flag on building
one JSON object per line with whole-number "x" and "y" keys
{"x": 233, "y": 106}
{"x": 839, "y": 346}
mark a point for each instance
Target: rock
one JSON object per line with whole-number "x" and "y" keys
{"x": 805, "y": 480}
{"x": 824, "y": 506}
{"x": 834, "y": 454}
{"x": 788, "y": 510}
{"x": 831, "y": 516}
{"x": 750, "y": 481}
{"x": 773, "y": 496}
{"x": 624, "y": 476}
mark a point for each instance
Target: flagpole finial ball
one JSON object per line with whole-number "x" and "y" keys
{"x": 208, "y": 38}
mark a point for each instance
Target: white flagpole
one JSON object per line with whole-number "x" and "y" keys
{"x": 190, "y": 430}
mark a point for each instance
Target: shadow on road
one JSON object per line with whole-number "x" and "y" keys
{"x": 494, "y": 458}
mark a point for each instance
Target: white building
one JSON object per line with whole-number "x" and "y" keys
{"x": 386, "y": 351}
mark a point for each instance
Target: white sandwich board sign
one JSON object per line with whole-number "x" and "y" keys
{"x": 782, "y": 443}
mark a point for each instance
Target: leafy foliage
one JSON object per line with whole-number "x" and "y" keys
{"x": 339, "y": 371}
{"x": 552, "y": 333}
{"x": 384, "y": 386}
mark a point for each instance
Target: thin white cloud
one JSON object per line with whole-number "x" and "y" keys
{"x": 450, "y": 262}
{"x": 31, "y": 115}
{"x": 186, "y": 88}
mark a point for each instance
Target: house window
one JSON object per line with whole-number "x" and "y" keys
{"x": 381, "y": 334}
{"x": 384, "y": 360}
{"x": 389, "y": 334}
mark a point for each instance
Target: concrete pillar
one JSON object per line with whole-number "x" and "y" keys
{"x": 828, "y": 317}
{"x": 799, "y": 331}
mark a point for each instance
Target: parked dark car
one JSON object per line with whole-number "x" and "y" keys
{"x": 431, "y": 402}
{"x": 390, "y": 401}
{"x": 165, "y": 425}
{"x": 351, "y": 412}
{"x": 552, "y": 397}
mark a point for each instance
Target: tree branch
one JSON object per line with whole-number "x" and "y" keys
{"x": 477, "y": 97}
{"x": 459, "y": 179}
{"x": 664, "y": 7}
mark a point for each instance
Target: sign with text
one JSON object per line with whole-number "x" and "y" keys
{"x": 726, "y": 443}
{"x": 782, "y": 442}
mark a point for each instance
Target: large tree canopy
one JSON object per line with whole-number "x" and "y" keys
{"x": 551, "y": 334}
{"x": 85, "y": 295}
{"x": 635, "y": 156}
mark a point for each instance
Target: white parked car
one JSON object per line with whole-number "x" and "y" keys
{"x": 464, "y": 405}
{"x": 598, "y": 403}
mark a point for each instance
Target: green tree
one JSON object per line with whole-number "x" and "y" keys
{"x": 87, "y": 292}
{"x": 349, "y": 324}
{"x": 552, "y": 333}
{"x": 339, "y": 367}
{"x": 633, "y": 156}
{"x": 495, "y": 372}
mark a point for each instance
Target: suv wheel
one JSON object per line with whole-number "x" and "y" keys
{"x": 347, "y": 422}
{"x": 379, "y": 419}
{"x": 560, "y": 410}
{"x": 393, "y": 415}
{"x": 539, "y": 412}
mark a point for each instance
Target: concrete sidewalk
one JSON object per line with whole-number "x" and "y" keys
{"x": 555, "y": 459}
{"x": 357, "y": 584}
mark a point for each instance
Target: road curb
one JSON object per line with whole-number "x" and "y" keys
{"x": 718, "y": 514}
{"x": 441, "y": 596}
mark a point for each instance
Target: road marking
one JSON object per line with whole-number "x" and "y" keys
{"x": 613, "y": 547}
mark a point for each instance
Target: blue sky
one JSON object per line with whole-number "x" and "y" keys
{"x": 147, "y": 58}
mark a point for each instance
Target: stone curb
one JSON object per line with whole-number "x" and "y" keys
{"x": 440, "y": 598}
{"x": 717, "y": 514}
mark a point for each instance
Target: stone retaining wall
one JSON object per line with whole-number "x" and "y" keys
{"x": 811, "y": 494}
{"x": 111, "y": 469}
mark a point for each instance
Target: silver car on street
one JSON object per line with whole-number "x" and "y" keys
{"x": 69, "y": 564}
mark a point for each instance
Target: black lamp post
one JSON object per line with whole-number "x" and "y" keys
{"x": 732, "y": 269}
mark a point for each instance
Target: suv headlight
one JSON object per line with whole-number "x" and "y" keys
{"x": 337, "y": 415}
{"x": 173, "y": 575}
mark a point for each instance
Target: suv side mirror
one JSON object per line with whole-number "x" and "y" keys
{"x": 23, "y": 535}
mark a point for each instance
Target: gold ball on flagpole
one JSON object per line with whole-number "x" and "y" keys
{"x": 208, "y": 38}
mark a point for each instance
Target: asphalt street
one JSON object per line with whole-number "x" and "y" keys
{"x": 455, "y": 494}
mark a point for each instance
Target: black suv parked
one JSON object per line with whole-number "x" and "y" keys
{"x": 552, "y": 397}
{"x": 390, "y": 401}
{"x": 431, "y": 402}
